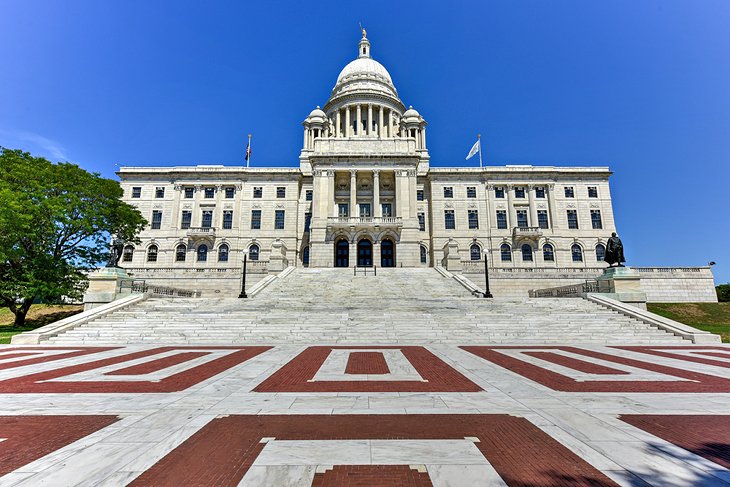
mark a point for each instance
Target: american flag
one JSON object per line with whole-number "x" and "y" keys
{"x": 248, "y": 149}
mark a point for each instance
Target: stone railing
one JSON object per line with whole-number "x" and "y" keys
{"x": 364, "y": 146}
{"x": 572, "y": 290}
{"x": 521, "y": 232}
{"x": 473, "y": 266}
{"x": 257, "y": 266}
{"x": 674, "y": 272}
{"x": 365, "y": 220}
{"x": 138, "y": 286}
{"x": 201, "y": 232}
{"x": 252, "y": 266}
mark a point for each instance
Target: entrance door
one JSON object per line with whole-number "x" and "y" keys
{"x": 342, "y": 253}
{"x": 387, "y": 253}
{"x": 365, "y": 253}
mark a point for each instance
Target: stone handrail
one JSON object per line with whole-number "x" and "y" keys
{"x": 141, "y": 287}
{"x": 572, "y": 290}
{"x": 373, "y": 220}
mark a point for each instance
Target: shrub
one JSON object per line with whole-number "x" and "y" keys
{"x": 723, "y": 293}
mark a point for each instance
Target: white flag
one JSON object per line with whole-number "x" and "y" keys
{"x": 476, "y": 148}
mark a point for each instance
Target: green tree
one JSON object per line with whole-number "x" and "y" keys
{"x": 55, "y": 225}
{"x": 723, "y": 293}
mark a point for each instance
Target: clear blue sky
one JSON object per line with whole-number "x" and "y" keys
{"x": 640, "y": 86}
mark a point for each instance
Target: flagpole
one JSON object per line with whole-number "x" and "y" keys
{"x": 479, "y": 139}
{"x": 248, "y": 152}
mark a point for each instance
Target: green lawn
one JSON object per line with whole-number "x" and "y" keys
{"x": 712, "y": 317}
{"x": 39, "y": 315}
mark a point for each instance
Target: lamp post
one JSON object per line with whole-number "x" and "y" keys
{"x": 243, "y": 279}
{"x": 486, "y": 293}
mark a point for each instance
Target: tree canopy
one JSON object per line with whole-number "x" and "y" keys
{"x": 55, "y": 224}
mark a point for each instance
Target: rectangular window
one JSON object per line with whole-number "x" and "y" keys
{"x": 207, "y": 221}
{"x": 569, "y": 193}
{"x": 573, "y": 219}
{"x": 473, "y": 219}
{"x": 343, "y": 210}
{"x": 186, "y": 220}
{"x": 542, "y": 219}
{"x": 502, "y": 219}
{"x": 422, "y": 222}
{"x": 308, "y": 195}
{"x": 387, "y": 210}
{"x": 449, "y": 222}
{"x": 522, "y": 218}
{"x": 540, "y": 192}
{"x": 471, "y": 192}
{"x": 592, "y": 192}
{"x": 136, "y": 192}
{"x": 281, "y": 192}
{"x": 307, "y": 221}
{"x": 209, "y": 192}
{"x": 448, "y": 192}
{"x": 230, "y": 192}
{"x": 279, "y": 220}
{"x": 596, "y": 219}
{"x": 519, "y": 192}
{"x": 227, "y": 219}
{"x": 255, "y": 219}
{"x": 499, "y": 192}
{"x": 258, "y": 192}
{"x": 419, "y": 195}
{"x": 156, "y": 219}
{"x": 159, "y": 192}
{"x": 365, "y": 210}
{"x": 189, "y": 193}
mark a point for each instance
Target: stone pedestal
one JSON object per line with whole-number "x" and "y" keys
{"x": 105, "y": 287}
{"x": 277, "y": 261}
{"x": 623, "y": 284}
{"x": 451, "y": 256}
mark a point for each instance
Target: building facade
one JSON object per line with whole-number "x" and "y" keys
{"x": 365, "y": 194}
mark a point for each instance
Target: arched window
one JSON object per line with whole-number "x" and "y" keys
{"x": 424, "y": 255}
{"x": 505, "y": 252}
{"x": 305, "y": 256}
{"x": 253, "y": 252}
{"x": 128, "y": 254}
{"x": 526, "y": 253}
{"x": 202, "y": 253}
{"x": 475, "y": 251}
{"x": 223, "y": 253}
{"x": 548, "y": 253}
{"x": 152, "y": 253}
{"x": 180, "y": 253}
{"x": 600, "y": 252}
{"x": 577, "y": 253}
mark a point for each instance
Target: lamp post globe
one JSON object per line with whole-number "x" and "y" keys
{"x": 487, "y": 293}
{"x": 243, "y": 277}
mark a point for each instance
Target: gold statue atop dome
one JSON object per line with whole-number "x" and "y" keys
{"x": 364, "y": 32}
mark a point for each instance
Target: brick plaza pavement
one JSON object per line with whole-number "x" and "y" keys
{"x": 438, "y": 415}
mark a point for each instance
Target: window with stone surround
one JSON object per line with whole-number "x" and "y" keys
{"x": 505, "y": 252}
{"x": 128, "y": 253}
{"x": 137, "y": 192}
{"x": 281, "y": 192}
{"x": 522, "y": 218}
{"x": 592, "y": 192}
{"x": 258, "y": 192}
{"x": 475, "y": 252}
{"x": 519, "y": 192}
{"x": 548, "y": 253}
{"x": 572, "y": 219}
{"x": 542, "y": 219}
{"x": 499, "y": 192}
{"x": 502, "y": 219}
{"x": 473, "y": 216}
{"x": 202, "y": 253}
{"x": 569, "y": 192}
{"x": 159, "y": 192}
{"x": 308, "y": 195}
{"x": 223, "y": 253}
{"x": 387, "y": 209}
{"x": 253, "y": 252}
{"x": 471, "y": 192}
{"x": 230, "y": 192}
{"x": 227, "y": 219}
{"x": 156, "y": 219}
{"x": 448, "y": 192}
{"x": 365, "y": 210}
{"x": 186, "y": 219}
{"x": 343, "y": 210}
{"x": 596, "y": 221}
{"x": 209, "y": 192}
{"x": 189, "y": 193}
{"x": 424, "y": 255}
{"x": 207, "y": 220}
{"x": 449, "y": 223}
{"x": 540, "y": 192}
{"x": 279, "y": 220}
{"x": 307, "y": 221}
{"x": 255, "y": 219}
{"x": 181, "y": 252}
{"x": 422, "y": 222}
{"x": 576, "y": 252}
{"x": 526, "y": 253}
{"x": 152, "y": 253}
{"x": 419, "y": 195}
{"x": 600, "y": 252}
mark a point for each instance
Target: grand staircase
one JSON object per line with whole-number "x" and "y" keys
{"x": 333, "y": 306}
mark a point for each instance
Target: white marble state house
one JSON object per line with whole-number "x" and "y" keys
{"x": 366, "y": 194}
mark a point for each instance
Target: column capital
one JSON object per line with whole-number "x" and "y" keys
{"x": 353, "y": 173}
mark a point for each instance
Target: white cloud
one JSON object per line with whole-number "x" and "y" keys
{"x": 33, "y": 143}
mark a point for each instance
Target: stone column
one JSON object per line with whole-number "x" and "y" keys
{"x": 380, "y": 122}
{"x": 511, "y": 222}
{"x": 338, "y": 121}
{"x": 377, "y": 210}
{"x": 423, "y": 137}
{"x": 348, "y": 125}
{"x": 551, "y": 205}
{"x": 533, "y": 205}
{"x": 332, "y": 204}
{"x": 369, "y": 130}
{"x": 358, "y": 119}
{"x": 353, "y": 193}
{"x": 305, "y": 139}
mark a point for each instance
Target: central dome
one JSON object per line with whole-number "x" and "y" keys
{"x": 364, "y": 66}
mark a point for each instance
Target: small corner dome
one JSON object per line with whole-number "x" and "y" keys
{"x": 411, "y": 112}
{"x": 317, "y": 113}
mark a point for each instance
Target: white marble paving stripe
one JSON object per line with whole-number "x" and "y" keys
{"x": 333, "y": 368}
{"x": 676, "y": 363}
